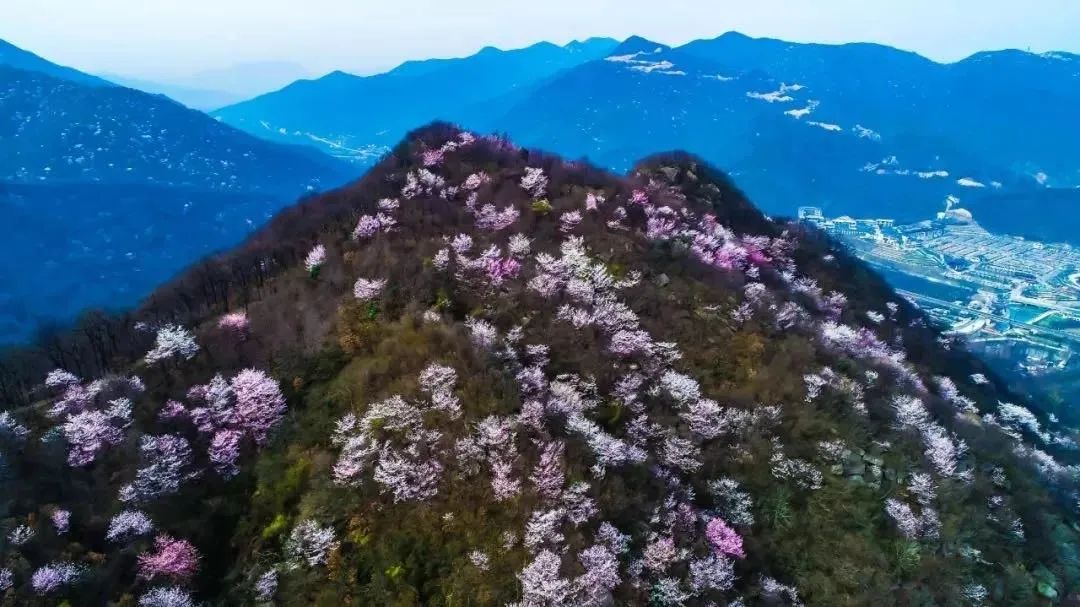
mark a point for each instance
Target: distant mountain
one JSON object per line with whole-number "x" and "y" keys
{"x": 15, "y": 57}
{"x": 358, "y": 117}
{"x": 785, "y": 149}
{"x": 105, "y": 246}
{"x": 194, "y": 98}
{"x": 1009, "y": 108}
{"x": 114, "y": 190}
{"x": 244, "y": 80}
{"x": 60, "y": 131}
{"x": 854, "y": 128}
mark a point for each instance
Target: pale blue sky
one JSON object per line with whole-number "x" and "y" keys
{"x": 171, "y": 38}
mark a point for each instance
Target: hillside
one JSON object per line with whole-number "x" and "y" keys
{"x": 60, "y": 131}
{"x": 485, "y": 376}
{"x": 106, "y": 246}
{"x": 16, "y": 58}
{"x": 116, "y": 190}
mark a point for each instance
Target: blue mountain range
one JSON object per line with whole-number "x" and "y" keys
{"x": 853, "y": 128}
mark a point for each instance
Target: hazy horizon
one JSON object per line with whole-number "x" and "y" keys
{"x": 171, "y": 40}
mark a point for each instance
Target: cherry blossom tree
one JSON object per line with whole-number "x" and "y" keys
{"x": 266, "y": 586}
{"x": 315, "y": 260}
{"x": 541, "y": 583}
{"x": 170, "y": 464}
{"x": 127, "y": 525}
{"x": 88, "y": 434}
{"x": 236, "y": 324}
{"x": 173, "y": 341}
{"x": 50, "y": 578}
{"x": 547, "y": 476}
{"x": 162, "y": 596}
{"x": 367, "y": 289}
{"x": 724, "y": 539}
{"x": 59, "y": 378}
{"x": 309, "y": 544}
{"x": 172, "y": 558}
{"x": 569, "y": 220}
{"x": 12, "y": 429}
{"x": 61, "y": 520}
{"x": 713, "y": 572}
{"x": 601, "y": 576}
{"x": 534, "y": 182}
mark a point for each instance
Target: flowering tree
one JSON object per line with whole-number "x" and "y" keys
{"x": 50, "y": 578}
{"x": 21, "y": 534}
{"x": 266, "y": 586}
{"x": 173, "y": 341}
{"x": 172, "y": 596}
{"x": 247, "y": 406}
{"x": 315, "y": 260}
{"x": 128, "y": 524}
{"x": 235, "y": 323}
{"x": 170, "y": 461}
{"x": 723, "y": 538}
{"x": 12, "y": 429}
{"x": 309, "y": 544}
{"x": 366, "y": 289}
{"x": 534, "y": 182}
{"x": 61, "y": 520}
{"x": 547, "y": 476}
{"x": 713, "y": 572}
{"x": 88, "y": 433}
{"x": 172, "y": 558}
{"x": 59, "y": 378}
{"x": 541, "y": 582}
{"x": 569, "y": 220}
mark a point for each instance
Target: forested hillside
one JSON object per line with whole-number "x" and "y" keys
{"x": 482, "y": 375}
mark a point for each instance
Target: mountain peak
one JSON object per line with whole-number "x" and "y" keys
{"x": 637, "y": 44}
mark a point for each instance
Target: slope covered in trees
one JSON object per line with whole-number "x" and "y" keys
{"x": 485, "y": 376}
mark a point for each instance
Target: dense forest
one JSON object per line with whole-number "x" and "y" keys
{"x": 482, "y": 375}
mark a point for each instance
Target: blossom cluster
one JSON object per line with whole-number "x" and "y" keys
{"x": 393, "y": 443}
{"x": 247, "y": 406}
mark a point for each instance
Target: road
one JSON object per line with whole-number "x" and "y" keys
{"x": 948, "y": 304}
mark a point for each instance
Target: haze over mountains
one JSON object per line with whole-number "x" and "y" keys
{"x": 212, "y": 89}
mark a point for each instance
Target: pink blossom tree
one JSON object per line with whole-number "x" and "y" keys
{"x": 724, "y": 539}
{"x": 172, "y": 558}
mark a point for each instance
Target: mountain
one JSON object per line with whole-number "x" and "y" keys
{"x": 106, "y": 246}
{"x": 194, "y": 98}
{"x": 117, "y": 190}
{"x": 1005, "y": 108}
{"x": 357, "y": 117}
{"x": 15, "y": 57}
{"x": 61, "y": 131}
{"x": 482, "y": 375}
{"x": 853, "y": 128}
{"x": 780, "y": 142}
{"x": 245, "y": 80}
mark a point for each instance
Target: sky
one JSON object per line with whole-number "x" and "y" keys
{"x": 170, "y": 39}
